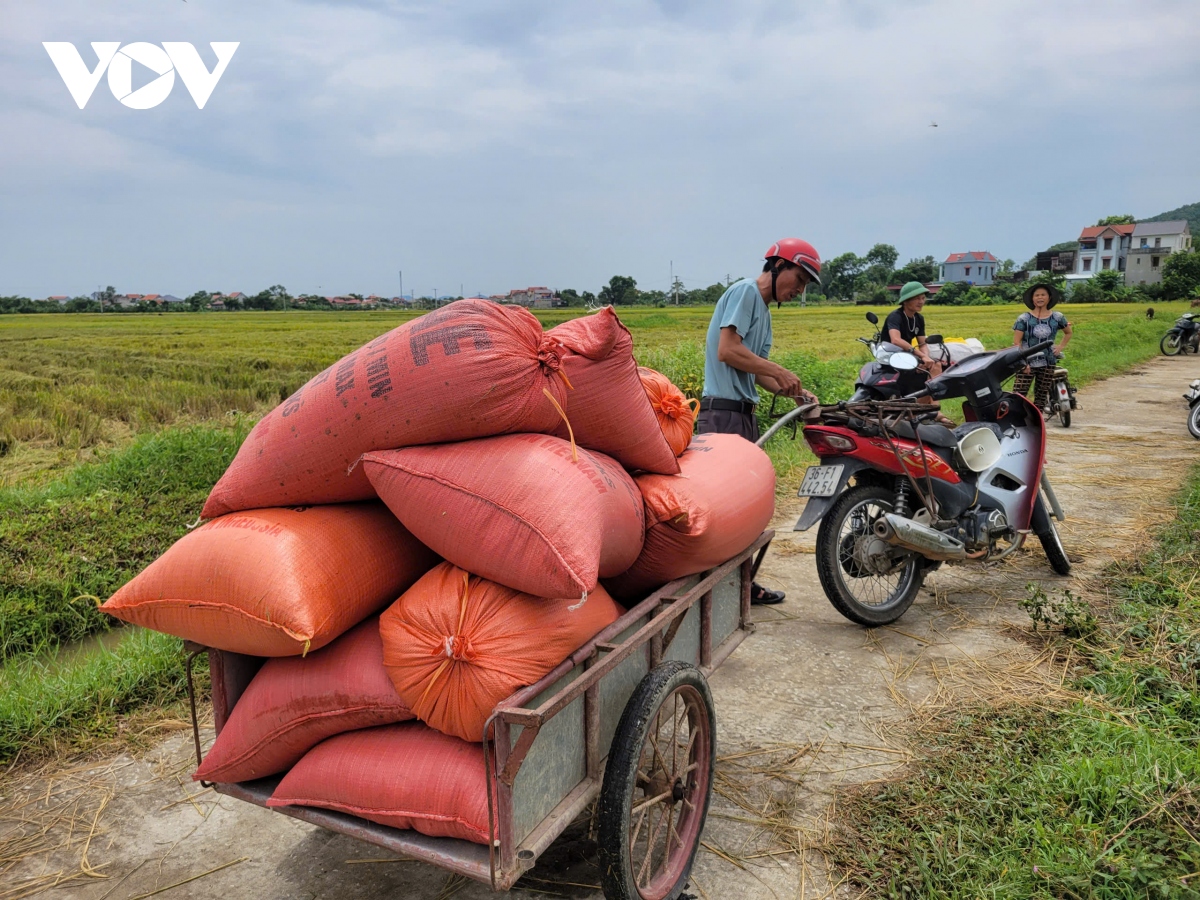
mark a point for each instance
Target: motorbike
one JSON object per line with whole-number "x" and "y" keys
{"x": 897, "y": 495}
{"x": 1062, "y": 395}
{"x": 1193, "y": 399}
{"x": 1183, "y": 336}
{"x": 894, "y": 372}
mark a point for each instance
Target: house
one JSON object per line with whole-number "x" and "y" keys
{"x": 217, "y": 305}
{"x": 932, "y": 286}
{"x": 1153, "y": 242}
{"x": 60, "y": 299}
{"x": 1102, "y": 247}
{"x": 535, "y": 297}
{"x": 973, "y": 267}
{"x": 1061, "y": 262}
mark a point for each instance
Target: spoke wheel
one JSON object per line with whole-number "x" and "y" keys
{"x": 1170, "y": 345}
{"x": 657, "y": 786}
{"x": 1043, "y": 525}
{"x": 867, "y": 581}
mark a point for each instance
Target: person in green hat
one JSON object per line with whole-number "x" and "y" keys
{"x": 905, "y": 323}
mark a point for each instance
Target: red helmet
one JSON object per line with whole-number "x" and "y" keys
{"x": 802, "y": 253}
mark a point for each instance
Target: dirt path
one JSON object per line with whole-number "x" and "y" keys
{"x": 806, "y": 704}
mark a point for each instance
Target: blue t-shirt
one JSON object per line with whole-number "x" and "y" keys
{"x": 742, "y": 307}
{"x": 1037, "y": 330}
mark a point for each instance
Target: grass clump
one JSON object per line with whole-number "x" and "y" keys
{"x": 74, "y": 704}
{"x": 66, "y": 543}
{"x": 1096, "y": 798}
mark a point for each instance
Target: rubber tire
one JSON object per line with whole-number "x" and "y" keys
{"x": 827, "y": 562}
{"x": 620, "y": 776}
{"x": 1194, "y": 420}
{"x": 1043, "y": 527}
{"x": 1176, "y": 344}
{"x": 1064, "y": 417}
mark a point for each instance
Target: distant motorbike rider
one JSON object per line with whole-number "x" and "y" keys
{"x": 738, "y": 344}
{"x": 1041, "y": 323}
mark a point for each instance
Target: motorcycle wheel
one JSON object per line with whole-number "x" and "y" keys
{"x": 1170, "y": 345}
{"x": 1194, "y": 421}
{"x": 1048, "y": 535}
{"x": 870, "y": 599}
{"x": 1064, "y": 415}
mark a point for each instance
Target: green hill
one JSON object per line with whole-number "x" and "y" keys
{"x": 1191, "y": 212}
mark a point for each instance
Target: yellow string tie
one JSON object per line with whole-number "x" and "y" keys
{"x": 570, "y": 430}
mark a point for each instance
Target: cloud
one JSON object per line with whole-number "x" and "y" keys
{"x": 495, "y": 144}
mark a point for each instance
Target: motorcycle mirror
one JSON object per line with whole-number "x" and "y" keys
{"x": 934, "y": 339}
{"x": 903, "y": 361}
{"x": 872, "y": 318}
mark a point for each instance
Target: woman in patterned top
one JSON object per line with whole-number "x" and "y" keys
{"x": 1040, "y": 324}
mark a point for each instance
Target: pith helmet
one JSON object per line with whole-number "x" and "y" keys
{"x": 912, "y": 289}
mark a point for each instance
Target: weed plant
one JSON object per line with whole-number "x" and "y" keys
{"x": 1100, "y": 798}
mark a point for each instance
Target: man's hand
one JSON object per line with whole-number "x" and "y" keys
{"x": 788, "y": 382}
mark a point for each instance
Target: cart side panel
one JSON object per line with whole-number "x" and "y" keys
{"x": 618, "y": 686}
{"x": 686, "y": 644}
{"x": 726, "y": 608}
{"x": 555, "y": 764}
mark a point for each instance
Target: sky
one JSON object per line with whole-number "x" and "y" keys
{"x": 481, "y": 146}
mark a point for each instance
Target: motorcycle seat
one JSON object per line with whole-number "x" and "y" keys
{"x": 963, "y": 430}
{"x": 934, "y": 435}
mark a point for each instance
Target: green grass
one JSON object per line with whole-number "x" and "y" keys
{"x": 48, "y": 706}
{"x": 1100, "y": 798}
{"x": 66, "y": 542}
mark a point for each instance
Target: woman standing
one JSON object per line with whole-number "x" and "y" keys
{"x": 1040, "y": 324}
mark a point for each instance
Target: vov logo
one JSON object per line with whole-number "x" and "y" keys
{"x": 165, "y": 61}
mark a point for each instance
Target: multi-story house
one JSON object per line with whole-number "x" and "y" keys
{"x": 973, "y": 267}
{"x": 1102, "y": 247}
{"x": 1153, "y": 242}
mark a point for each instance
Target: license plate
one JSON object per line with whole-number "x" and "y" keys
{"x": 821, "y": 481}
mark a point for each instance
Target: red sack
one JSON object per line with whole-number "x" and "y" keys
{"x": 405, "y": 776}
{"x": 538, "y": 521}
{"x": 469, "y": 370}
{"x": 275, "y": 582}
{"x": 676, "y": 413}
{"x": 721, "y": 502}
{"x": 295, "y": 703}
{"x": 455, "y": 645}
{"x": 607, "y": 406}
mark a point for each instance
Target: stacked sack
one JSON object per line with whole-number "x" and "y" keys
{"x": 421, "y": 530}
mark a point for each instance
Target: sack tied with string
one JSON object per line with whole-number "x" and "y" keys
{"x": 472, "y": 369}
{"x": 528, "y": 511}
{"x": 676, "y": 413}
{"x": 720, "y": 502}
{"x": 607, "y": 407}
{"x": 455, "y": 644}
{"x": 405, "y": 776}
{"x": 294, "y": 703}
{"x": 275, "y": 582}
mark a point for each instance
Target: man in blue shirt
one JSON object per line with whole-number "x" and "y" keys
{"x": 737, "y": 347}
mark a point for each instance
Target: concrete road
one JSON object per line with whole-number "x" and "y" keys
{"x": 808, "y": 703}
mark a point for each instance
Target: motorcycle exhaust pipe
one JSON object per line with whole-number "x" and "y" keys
{"x": 929, "y": 542}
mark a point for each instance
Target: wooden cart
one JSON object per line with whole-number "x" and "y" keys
{"x": 627, "y": 718}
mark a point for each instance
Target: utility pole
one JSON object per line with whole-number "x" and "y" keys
{"x": 673, "y": 282}
{"x": 401, "y": 285}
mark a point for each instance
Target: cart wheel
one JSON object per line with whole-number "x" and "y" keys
{"x": 657, "y": 785}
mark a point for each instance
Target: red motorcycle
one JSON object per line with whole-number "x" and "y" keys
{"x": 897, "y": 494}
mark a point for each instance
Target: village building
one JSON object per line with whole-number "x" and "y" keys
{"x": 1102, "y": 247}
{"x": 973, "y": 267}
{"x": 1152, "y": 243}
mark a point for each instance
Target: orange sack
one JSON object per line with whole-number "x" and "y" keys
{"x": 455, "y": 645}
{"x": 405, "y": 776}
{"x": 275, "y": 582}
{"x": 607, "y": 407}
{"x": 676, "y": 413}
{"x": 293, "y": 704}
{"x": 469, "y": 370}
{"x": 516, "y": 509}
{"x": 723, "y": 500}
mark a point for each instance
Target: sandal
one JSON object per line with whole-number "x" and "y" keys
{"x": 761, "y": 596}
